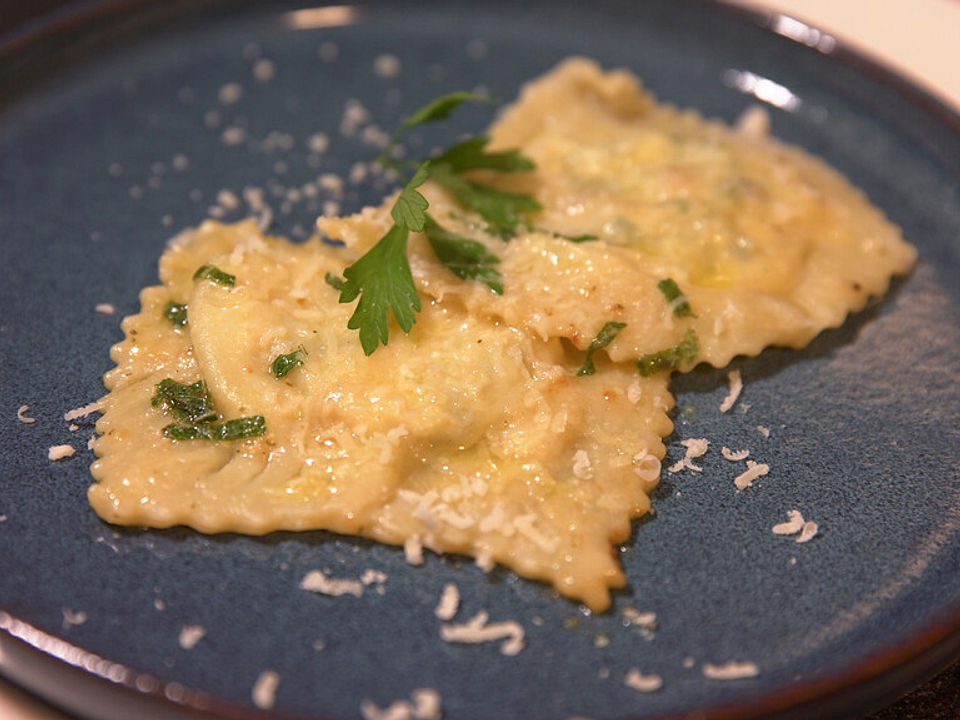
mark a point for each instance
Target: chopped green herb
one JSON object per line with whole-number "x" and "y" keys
{"x": 190, "y": 403}
{"x": 503, "y": 211}
{"x": 437, "y": 109}
{"x": 464, "y": 257}
{"x": 576, "y": 238}
{"x": 214, "y": 274}
{"x": 472, "y": 155}
{"x": 410, "y": 209}
{"x": 333, "y": 281}
{"x": 382, "y": 278}
{"x": 675, "y": 297}
{"x": 283, "y": 364}
{"x": 671, "y": 358}
{"x": 606, "y": 335}
{"x": 236, "y": 429}
{"x": 176, "y": 313}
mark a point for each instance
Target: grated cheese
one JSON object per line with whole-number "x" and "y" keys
{"x": 736, "y": 386}
{"x": 316, "y": 581}
{"x": 190, "y": 635}
{"x": 227, "y": 200}
{"x": 61, "y": 452}
{"x": 264, "y": 693}
{"x": 581, "y": 465}
{"x": 22, "y": 415}
{"x": 478, "y": 630}
{"x": 386, "y": 66}
{"x": 642, "y": 683}
{"x": 734, "y": 455}
{"x": 82, "y": 412}
{"x": 264, "y": 70}
{"x": 754, "y": 470}
{"x": 233, "y": 135}
{"x": 808, "y": 531}
{"x": 230, "y": 93}
{"x": 696, "y": 447}
{"x": 413, "y": 550}
{"x": 731, "y": 671}
{"x": 449, "y": 602}
{"x": 73, "y": 617}
{"x": 765, "y": 431}
{"x": 105, "y": 308}
{"x": 793, "y": 525}
{"x": 424, "y": 704}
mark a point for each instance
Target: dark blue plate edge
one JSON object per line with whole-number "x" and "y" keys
{"x": 54, "y": 665}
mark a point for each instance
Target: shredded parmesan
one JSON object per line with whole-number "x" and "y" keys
{"x": 73, "y": 617}
{"x": 316, "y": 581}
{"x": 754, "y": 470}
{"x": 81, "y": 412}
{"x": 765, "y": 431}
{"x": 105, "y": 308}
{"x": 478, "y": 630}
{"x": 424, "y": 704}
{"x": 413, "y": 550}
{"x": 793, "y": 525}
{"x": 734, "y": 455}
{"x": 731, "y": 671}
{"x": 190, "y": 635}
{"x": 808, "y": 531}
{"x": 642, "y": 683}
{"x": 22, "y": 415}
{"x": 696, "y": 447}
{"x": 61, "y": 452}
{"x": 736, "y": 386}
{"x": 449, "y": 602}
{"x": 373, "y": 577}
{"x": 264, "y": 693}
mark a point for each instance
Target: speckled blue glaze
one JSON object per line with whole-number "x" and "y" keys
{"x": 864, "y": 425}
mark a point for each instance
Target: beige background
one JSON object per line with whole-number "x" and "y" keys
{"x": 919, "y": 38}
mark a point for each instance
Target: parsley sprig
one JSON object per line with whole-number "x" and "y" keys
{"x": 381, "y": 278}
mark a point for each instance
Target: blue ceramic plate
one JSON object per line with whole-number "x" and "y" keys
{"x": 120, "y": 127}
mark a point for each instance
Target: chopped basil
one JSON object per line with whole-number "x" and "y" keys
{"x": 606, "y": 335}
{"x": 675, "y": 298}
{"x": 214, "y": 274}
{"x": 671, "y": 358}
{"x": 283, "y": 364}
{"x": 176, "y": 313}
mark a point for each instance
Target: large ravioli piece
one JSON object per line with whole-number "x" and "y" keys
{"x": 769, "y": 245}
{"x": 467, "y": 436}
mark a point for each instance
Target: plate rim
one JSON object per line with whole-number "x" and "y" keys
{"x": 879, "y": 679}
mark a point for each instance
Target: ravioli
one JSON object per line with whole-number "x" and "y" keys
{"x": 474, "y": 433}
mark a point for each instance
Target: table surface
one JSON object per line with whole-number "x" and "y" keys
{"x": 918, "y": 39}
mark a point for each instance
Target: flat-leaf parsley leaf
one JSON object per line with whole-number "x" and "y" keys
{"x": 464, "y": 257}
